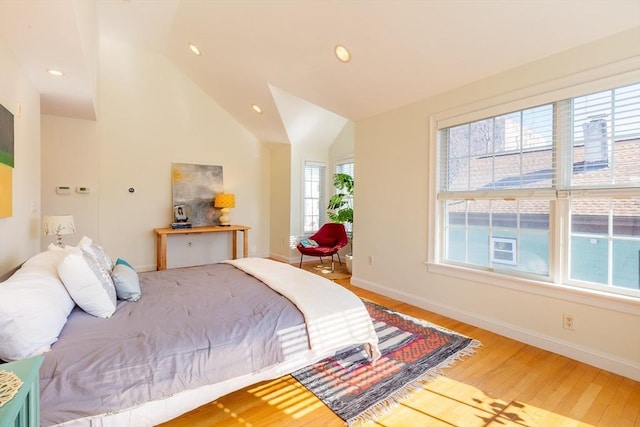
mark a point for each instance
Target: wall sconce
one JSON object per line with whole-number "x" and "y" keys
{"x": 57, "y": 226}
{"x": 225, "y": 201}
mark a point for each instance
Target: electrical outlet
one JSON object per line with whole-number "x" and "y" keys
{"x": 568, "y": 322}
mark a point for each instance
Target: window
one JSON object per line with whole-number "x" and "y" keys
{"x": 507, "y": 182}
{"x": 346, "y": 167}
{"x": 313, "y": 203}
{"x": 503, "y": 250}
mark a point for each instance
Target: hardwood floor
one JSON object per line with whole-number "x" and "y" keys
{"x": 506, "y": 383}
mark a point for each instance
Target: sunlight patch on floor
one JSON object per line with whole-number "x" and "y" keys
{"x": 232, "y": 414}
{"x": 445, "y": 402}
{"x": 289, "y": 396}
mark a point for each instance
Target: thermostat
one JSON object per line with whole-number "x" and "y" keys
{"x": 83, "y": 190}
{"x": 63, "y": 190}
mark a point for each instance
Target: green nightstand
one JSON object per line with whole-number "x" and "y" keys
{"x": 24, "y": 409}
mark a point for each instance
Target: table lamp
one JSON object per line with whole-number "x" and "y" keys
{"x": 57, "y": 225}
{"x": 225, "y": 201}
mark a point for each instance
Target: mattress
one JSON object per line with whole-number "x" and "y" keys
{"x": 196, "y": 334}
{"x": 192, "y": 327}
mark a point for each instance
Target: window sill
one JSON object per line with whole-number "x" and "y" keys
{"x": 620, "y": 303}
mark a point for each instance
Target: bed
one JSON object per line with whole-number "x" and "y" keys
{"x": 189, "y": 335}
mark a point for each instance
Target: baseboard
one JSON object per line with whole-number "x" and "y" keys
{"x": 284, "y": 258}
{"x": 294, "y": 259}
{"x": 626, "y": 368}
{"x": 145, "y": 267}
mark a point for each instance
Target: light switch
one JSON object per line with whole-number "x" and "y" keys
{"x": 83, "y": 190}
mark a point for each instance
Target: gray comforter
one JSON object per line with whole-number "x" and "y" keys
{"x": 193, "y": 326}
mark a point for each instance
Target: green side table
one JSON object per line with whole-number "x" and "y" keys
{"x": 24, "y": 409}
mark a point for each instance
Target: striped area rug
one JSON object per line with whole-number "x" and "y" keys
{"x": 413, "y": 351}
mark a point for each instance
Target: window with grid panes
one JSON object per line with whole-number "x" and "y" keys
{"x": 346, "y": 167}
{"x": 313, "y": 210}
{"x": 507, "y": 182}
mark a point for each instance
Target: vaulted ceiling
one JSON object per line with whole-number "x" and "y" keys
{"x": 278, "y": 54}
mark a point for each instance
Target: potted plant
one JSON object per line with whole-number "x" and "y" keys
{"x": 340, "y": 208}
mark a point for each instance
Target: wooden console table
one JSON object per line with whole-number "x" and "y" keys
{"x": 161, "y": 239}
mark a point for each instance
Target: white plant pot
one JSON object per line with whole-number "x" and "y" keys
{"x": 349, "y": 260}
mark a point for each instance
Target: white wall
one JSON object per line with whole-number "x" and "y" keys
{"x": 86, "y": 16}
{"x": 151, "y": 116}
{"x": 341, "y": 149}
{"x": 279, "y": 245}
{"x": 392, "y": 152}
{"x": 20, "y": 234}
{"x": 70, "y": 158}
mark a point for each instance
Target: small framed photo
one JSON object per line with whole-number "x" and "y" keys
{"x": 504, "y": 250}
{"x": 181, "y": 213}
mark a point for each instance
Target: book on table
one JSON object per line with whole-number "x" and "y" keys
{"x": 176, "y": 225}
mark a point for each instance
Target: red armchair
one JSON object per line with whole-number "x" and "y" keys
{"x": 331, "y": 237}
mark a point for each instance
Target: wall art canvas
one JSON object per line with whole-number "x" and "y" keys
{"x": 6, "y": 137}
{"x": 194, "y": 188}
{"x": 6, "y": 162}
{"x": 6, "y": 191}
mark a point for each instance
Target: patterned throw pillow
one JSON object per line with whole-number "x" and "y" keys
{"x": 88, "y": 282}
{"x": 88, "y": 245}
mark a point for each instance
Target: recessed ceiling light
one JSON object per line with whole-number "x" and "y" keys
{"x": 257, "y": 108}
{"x": 194, "y": 49}
{"x": 342, "y": 53}
{"x": 54, "y": 72}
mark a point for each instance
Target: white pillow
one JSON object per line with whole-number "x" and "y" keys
{"x": 34, "y": 306}
{"x": 87, "y": 244}
{"x": 88, "y": 282}
{"x": 46, "y": 261}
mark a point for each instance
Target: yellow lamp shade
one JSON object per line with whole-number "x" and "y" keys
{"x": 225, "y": 200}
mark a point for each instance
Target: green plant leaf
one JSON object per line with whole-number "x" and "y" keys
{"x": 340, "y": 207}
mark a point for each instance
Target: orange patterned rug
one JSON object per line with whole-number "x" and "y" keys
{"x": 413, "y": 351}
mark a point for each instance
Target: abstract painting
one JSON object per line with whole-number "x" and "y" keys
{"x": 6, "y": 162}
{"x": 194, "y": 188}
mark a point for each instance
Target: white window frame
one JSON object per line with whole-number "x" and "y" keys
{"x": 346, "y": 160}
{"x": 603, "y": 78}
{"x": 495, "y": 249}
{"x": 322, "y": 199}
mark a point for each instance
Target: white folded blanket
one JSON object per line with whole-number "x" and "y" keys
{"x": 336, "y": 318}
